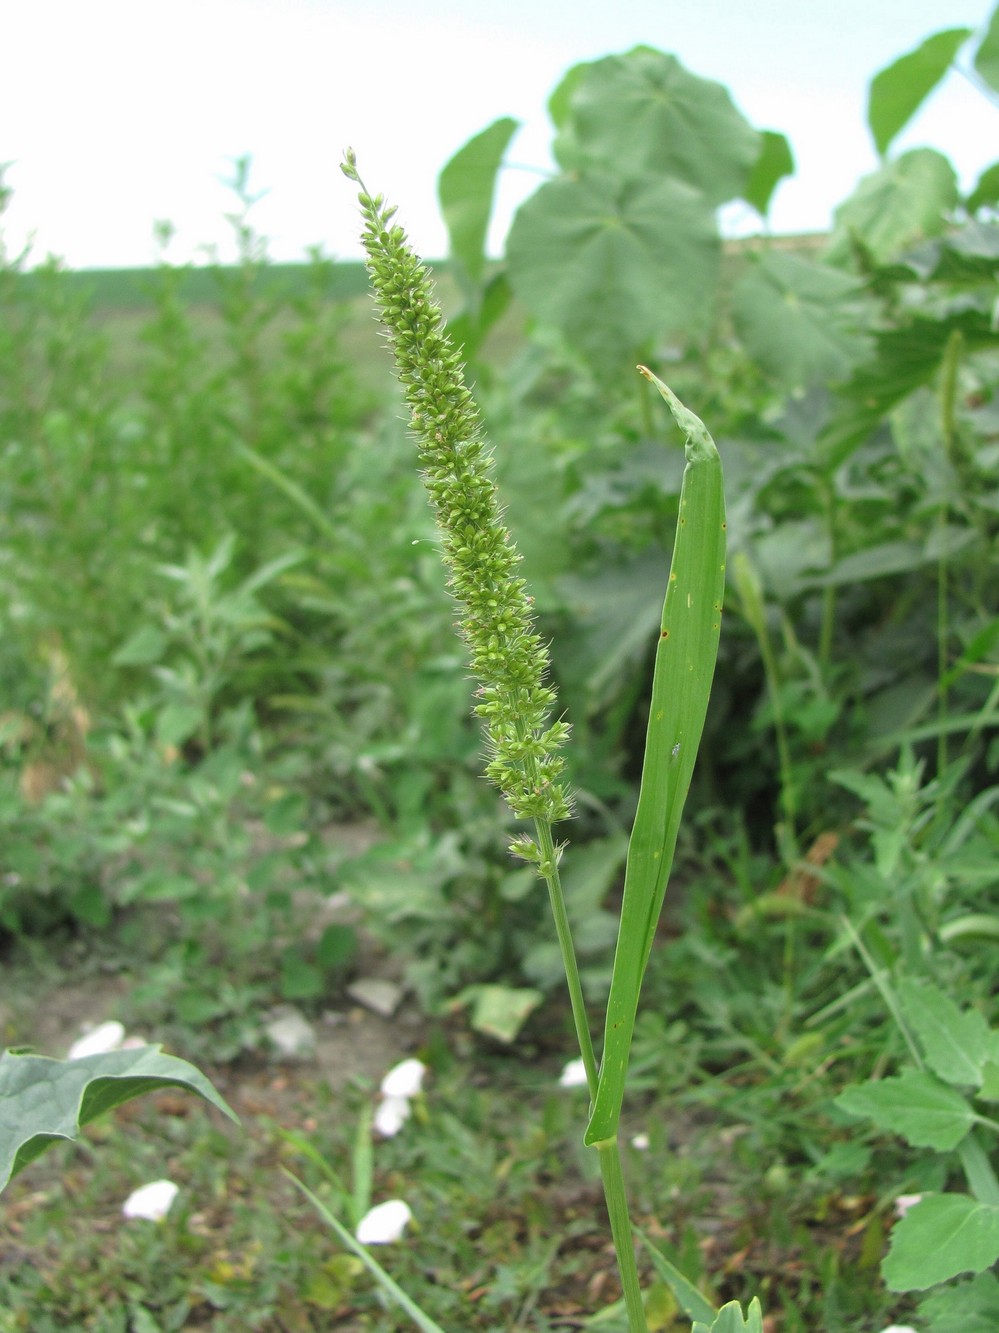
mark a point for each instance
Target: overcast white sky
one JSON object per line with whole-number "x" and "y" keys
{"x": 116, "y": 113}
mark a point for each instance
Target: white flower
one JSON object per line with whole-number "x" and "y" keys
{"x": 404, "y": 1079}
{"x": 152, "y": 1201}
{"x": 98, "y": 1041}
{"x": 904, "y": 1202}
{"x": 573, "y": 1075}
{"x": 641, "y": 1142}
{"x": 391, "y": 1114}
{"x": 384, "y": 1223}
{"x": 899, "y": 1328}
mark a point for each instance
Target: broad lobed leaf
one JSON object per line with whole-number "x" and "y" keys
{"x": 914, "y": 1104}
{"x": 939, "y": 1238}
{"x": 44, "y": 1100}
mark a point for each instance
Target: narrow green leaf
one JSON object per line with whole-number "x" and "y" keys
{"x": 981, "y": 924}
{"x": 915, "y": 1105}
{"x": 956, "y": 1042}
{"x": 775, "y": 161}
{"x": 693, "y": 1304}
{"x": 939, "y": 1238}
{"x": 465, "y": 189}
{"x": 384, "y": 1280}
{"x": 147, "y": 645}
{"x": 681, "y": 686}
{"x": 987, "y": 55}
{"x": 177, "y": 722}
{"x": 897, "y": 91}
{"x": 291, "y": 489}
{"x": 876, "y": 562}
{"x": 44, "y": 1100}
{"x": 468, "y": 329}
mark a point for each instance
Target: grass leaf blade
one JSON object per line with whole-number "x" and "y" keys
{"x": 685, "y": 661}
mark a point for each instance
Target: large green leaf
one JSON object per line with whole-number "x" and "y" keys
{"x": 43, "y": 1100}
{"x": 797, "y": 319}
{"x": 986, "y": 191}
{"x": 940, "y": 1237}
{"x": 904, "y": 202}
{"x": 465, "y": 189}
{"x": 615, "y": 263}
{"x": 643, "y": 115}
{"x": 916, "y": 1105}
{"x": 987, "y": 55}
{"x": 897, "y": 92}
{"x": 774, "y": 161}
{"x": 957, "y": 1042}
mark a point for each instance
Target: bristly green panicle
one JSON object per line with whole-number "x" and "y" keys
{"x": 508, "y": 657}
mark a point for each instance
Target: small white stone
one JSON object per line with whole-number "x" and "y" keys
{"x": 152, "y": 1202}
{"x": 391, "y": 1114}
{"x": 290, "y": 1032}
{"x": 100, "y": 1040}
{"x": 573, "y": 1075}
{"x": 404, "y": 1079}
{"x": 381, "y": 997}
{"x": 384, "y": 1223}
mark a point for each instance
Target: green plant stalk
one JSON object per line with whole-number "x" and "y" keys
{"x": 978, "y": 1169}
{"x": 827, "y": 623}
{"x": 751, "y": 596}
{"x": 611, "y": 1176}
{"x": 387, "y": 1282}
{"x": 550, "y": 873}
{"x": 948, "y": 429}
{"x": 609, "y": 1152}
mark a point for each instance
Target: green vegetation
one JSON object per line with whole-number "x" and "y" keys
{"x": 238, "y": 766}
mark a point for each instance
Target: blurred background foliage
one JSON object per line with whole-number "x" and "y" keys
{"x": 224, "y": 632}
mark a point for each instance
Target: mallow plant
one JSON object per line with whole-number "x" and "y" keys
{"x": 517, "y": 704}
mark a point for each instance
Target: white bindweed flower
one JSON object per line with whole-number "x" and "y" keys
{"x": 904, "y": 1202}
{"x": 384, "y": 1223}
{"x": 98, "y": 1041}
{"x": 404, "y": 1079}
{"x": 152, "y": 1201}
{"x": 573, "y": 1075}
{"x": 402, "y": 1082}
{"x": 391, "y": 1114}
